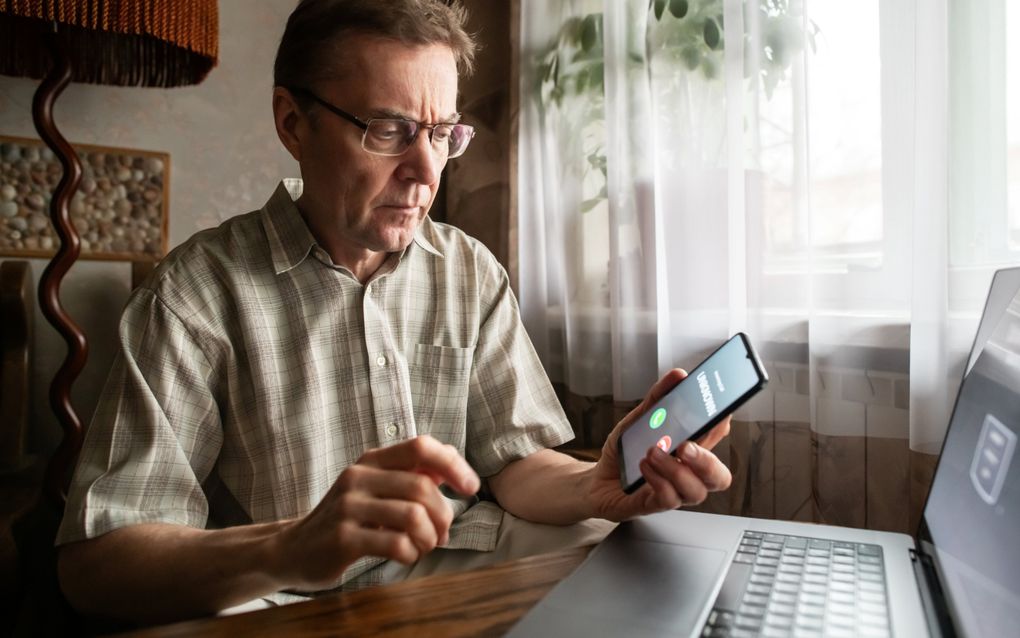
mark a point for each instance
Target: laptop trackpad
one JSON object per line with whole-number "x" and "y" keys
{"x": 629, "y": 587}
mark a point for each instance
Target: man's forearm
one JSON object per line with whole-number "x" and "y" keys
{"x": 159, "y": 572}
{"x": 388, "y": 504}
{"x": 545, "y": 487}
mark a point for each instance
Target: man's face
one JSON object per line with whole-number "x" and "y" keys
{"x": 374, "y": 202}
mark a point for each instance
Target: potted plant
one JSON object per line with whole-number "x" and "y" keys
{"x": 685, "y": 49}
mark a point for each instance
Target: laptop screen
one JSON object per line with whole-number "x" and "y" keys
{"x": 973, "y": 511}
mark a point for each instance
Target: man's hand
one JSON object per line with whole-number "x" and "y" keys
{"x": 388, "y": 504}
{"x": 670, "y": 481}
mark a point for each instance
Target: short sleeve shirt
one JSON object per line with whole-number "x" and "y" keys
{"x": 252, "y": 371}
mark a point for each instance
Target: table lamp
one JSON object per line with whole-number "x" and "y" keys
{"x": 161, "y": 43}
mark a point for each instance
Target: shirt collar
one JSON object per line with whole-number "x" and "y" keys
{"x": 422, "y": 241}
{"x": 290, "y": 240}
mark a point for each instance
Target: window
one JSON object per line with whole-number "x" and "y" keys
{"x": 984, "y": 133}
{"x": 1012, "y": 25}
{"x": 838, "y": 152}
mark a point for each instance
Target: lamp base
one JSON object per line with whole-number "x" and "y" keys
{"x": 58, "y": 472}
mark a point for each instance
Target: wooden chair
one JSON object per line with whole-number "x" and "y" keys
{"x": 16, "y": 320}
{"x": 31, "y": 602}
{"x": 19, "y": 473}
{"x": 30, "y": 598}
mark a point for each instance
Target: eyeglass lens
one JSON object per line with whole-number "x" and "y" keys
{"x": 393, "y": 136}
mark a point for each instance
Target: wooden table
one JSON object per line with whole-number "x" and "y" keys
{"x": 483, "y": 602}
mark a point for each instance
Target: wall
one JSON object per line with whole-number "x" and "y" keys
{"x": 225, "y": 159}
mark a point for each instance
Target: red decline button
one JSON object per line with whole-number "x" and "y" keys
{"x": 665, "y": 443}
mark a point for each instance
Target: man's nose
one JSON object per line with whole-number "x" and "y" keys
{"x": 420, "y": 161}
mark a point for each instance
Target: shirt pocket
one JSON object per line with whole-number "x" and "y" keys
{"x": 440, "y": 379}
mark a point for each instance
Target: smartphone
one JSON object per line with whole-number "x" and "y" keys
{"x": 719, "y": 385}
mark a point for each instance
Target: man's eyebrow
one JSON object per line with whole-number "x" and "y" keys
{"x": 453, "y": 118}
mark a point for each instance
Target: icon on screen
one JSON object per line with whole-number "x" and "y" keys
{"x": 658, "y": 418}
{"x": 665, "y": 443}
{"x": 991, "y": 459}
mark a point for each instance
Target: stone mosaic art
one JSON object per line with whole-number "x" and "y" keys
{"x": 119, "y": 211}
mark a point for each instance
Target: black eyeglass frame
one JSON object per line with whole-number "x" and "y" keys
{"x": 363, "y": 124}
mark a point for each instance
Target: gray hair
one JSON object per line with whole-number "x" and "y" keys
{"x": 309, "y": 49}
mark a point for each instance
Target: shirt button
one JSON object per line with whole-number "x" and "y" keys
{"x": 381, "y": 360}
{"x": 391, "y": 430}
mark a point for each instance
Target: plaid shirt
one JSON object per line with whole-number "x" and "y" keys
{"x": 252, "y": 371}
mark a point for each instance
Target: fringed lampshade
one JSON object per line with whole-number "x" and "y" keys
{"x": 122, "y": 42}
{"x": 160, "y": 43}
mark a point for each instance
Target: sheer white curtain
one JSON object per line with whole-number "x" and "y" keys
{"x": 830, "y": 177}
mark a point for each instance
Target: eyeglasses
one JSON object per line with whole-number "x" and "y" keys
{"x": 393, "y": 136}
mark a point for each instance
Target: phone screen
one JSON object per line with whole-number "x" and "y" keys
{"x": 723, "y": 381}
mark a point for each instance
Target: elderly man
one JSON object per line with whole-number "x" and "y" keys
{"x": 306, "y": 397}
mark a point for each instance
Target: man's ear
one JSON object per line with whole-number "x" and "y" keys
{"x": 289, "y": 119}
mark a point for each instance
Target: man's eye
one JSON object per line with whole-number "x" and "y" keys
{"x": 442, "y": 134}
{"x": 389, "y": 131}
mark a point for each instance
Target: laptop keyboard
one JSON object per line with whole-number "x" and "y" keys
{"x": 780, "y": 585}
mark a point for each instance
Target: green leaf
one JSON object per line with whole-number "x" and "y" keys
{"x": 598, "y": 74}
{"x": 589, "y": 204}
{"x": 571, "y": 30}
{"x": 711, "y": 34}
{"x": 678, "y": 8}
{"x": 660, "y": 6}
{"x": 590, "y": 32}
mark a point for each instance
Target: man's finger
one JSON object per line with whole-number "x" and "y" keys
{"x": 399, "y": 516}
{"x": 715, "y": 435}
{"x": 664, "y": 385}
{"x": 428, "y": 456}
{"x": 688, "y": 485}
{"x": 383, "y": 543}
{"x": 397, "y": 485}
{"x": 712, "y": 472}
{"x": 665, "y": 495}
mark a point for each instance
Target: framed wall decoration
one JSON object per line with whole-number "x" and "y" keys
{"x": 120, "y": 210}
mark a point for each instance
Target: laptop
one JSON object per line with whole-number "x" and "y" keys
{"x": 682, "y": 573}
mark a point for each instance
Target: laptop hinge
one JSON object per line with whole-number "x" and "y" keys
{"x": 932, "y": 599}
